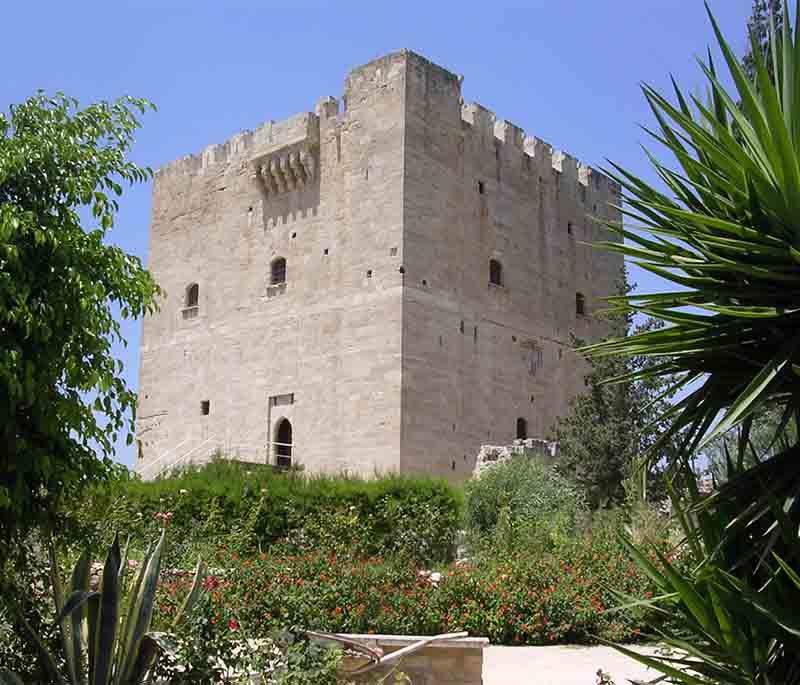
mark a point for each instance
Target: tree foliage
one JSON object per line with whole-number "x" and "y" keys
{"x": 611, "y": 425}
{"x": 758, "y": 28}
{"x": 763, "y": 441}
{"x": 62, "y": 397}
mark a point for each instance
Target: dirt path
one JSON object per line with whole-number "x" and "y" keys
{"x": 559, "y": 666}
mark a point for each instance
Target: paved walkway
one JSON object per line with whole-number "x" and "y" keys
{"x": 559, "y": 666}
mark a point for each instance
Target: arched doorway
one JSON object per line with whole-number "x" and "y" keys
{"x": 283, "y": 444}
{"x": 522, "y": 429}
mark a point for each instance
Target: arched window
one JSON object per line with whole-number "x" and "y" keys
{"x": 495, "y": 272}
{"x": 192, "y": 295}
{"x": 283, "y": 443}
{"x": 522, "y": 429}
{"x": 580, "y": 304}
{"x": 278, "y": 271}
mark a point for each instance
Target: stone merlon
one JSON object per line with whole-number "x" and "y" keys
{"x": 359, "y": 83}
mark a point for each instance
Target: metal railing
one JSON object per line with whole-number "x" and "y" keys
{"x": 180, "y": 459}
{"x": 276, "y": 458}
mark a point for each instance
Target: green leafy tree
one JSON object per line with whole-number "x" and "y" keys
{"x": 725, "y": 232}
{"x": 62, "y": 398}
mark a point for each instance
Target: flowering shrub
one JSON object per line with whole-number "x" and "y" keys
{"x": 208, "y": 647}
{"x": 25, "y": 583}
{"x": 214, "y": 646}
{"x": 524, "y": 600}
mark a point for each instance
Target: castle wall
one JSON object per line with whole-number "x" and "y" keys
{"x": 386, "y": 348}
{"x": 476, "y": 357}
{"x": 326, "y": 345}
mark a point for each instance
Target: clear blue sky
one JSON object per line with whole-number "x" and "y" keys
{"x": 565, "y": 70}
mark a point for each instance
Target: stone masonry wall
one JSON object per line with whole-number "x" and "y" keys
{"x": 476, "y": 356}
{"x": 326, "y": 345}
{"x": 386, "y": 347}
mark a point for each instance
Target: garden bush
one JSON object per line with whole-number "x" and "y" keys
{"x": 521, "y": 504}
{"x": 25, "y": 582}
{"x": 525, "y": 599}
{"x": 248, "y": 507}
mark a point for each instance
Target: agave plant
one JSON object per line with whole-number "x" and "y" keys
{"x": 102, "y": 642}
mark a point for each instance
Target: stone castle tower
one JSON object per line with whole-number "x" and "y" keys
{"x": 382, "y": 285}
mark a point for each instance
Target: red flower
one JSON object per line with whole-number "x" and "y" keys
{"x": 233, "y": 624}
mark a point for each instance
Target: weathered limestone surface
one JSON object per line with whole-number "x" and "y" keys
{"x": 490, "y": 455}
{"x": 386, "y": 348}
{"x": 442, "y": 663}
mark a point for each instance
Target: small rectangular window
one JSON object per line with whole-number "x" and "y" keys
{"x": 580, "y": 304}
{"x": 280, "y": 400}
{"x": 481, "y": 188}
{"x": 205, "y": 407}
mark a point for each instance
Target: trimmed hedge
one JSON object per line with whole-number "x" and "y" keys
{"x": 248, "y": 507}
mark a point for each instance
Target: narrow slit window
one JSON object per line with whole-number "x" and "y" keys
{"x": 495, "y": 272}
{"x": 192, "y": 295}
{"x": 205, "y": 407}
{"x": 278, "y": 271}
{"x": 580, "y": 304}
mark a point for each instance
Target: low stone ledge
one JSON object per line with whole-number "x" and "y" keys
{"x": 444, "y": 662}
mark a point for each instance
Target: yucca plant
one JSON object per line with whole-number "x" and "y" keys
{"x": 726, "y": 232}
{"x": 103, "y": 643}
{"x": 721, "y": 625}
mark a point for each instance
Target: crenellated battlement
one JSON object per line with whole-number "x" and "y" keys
{"x": 297, "y": 130}
{"x": 491, "y": 131}
{"x": 283, "y": 152}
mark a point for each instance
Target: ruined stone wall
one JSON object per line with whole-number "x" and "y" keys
{"x": 323, "y": 191}
{"x": 476, "y": 356}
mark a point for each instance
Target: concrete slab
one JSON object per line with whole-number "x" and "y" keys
{"x": 560, "y": 665}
